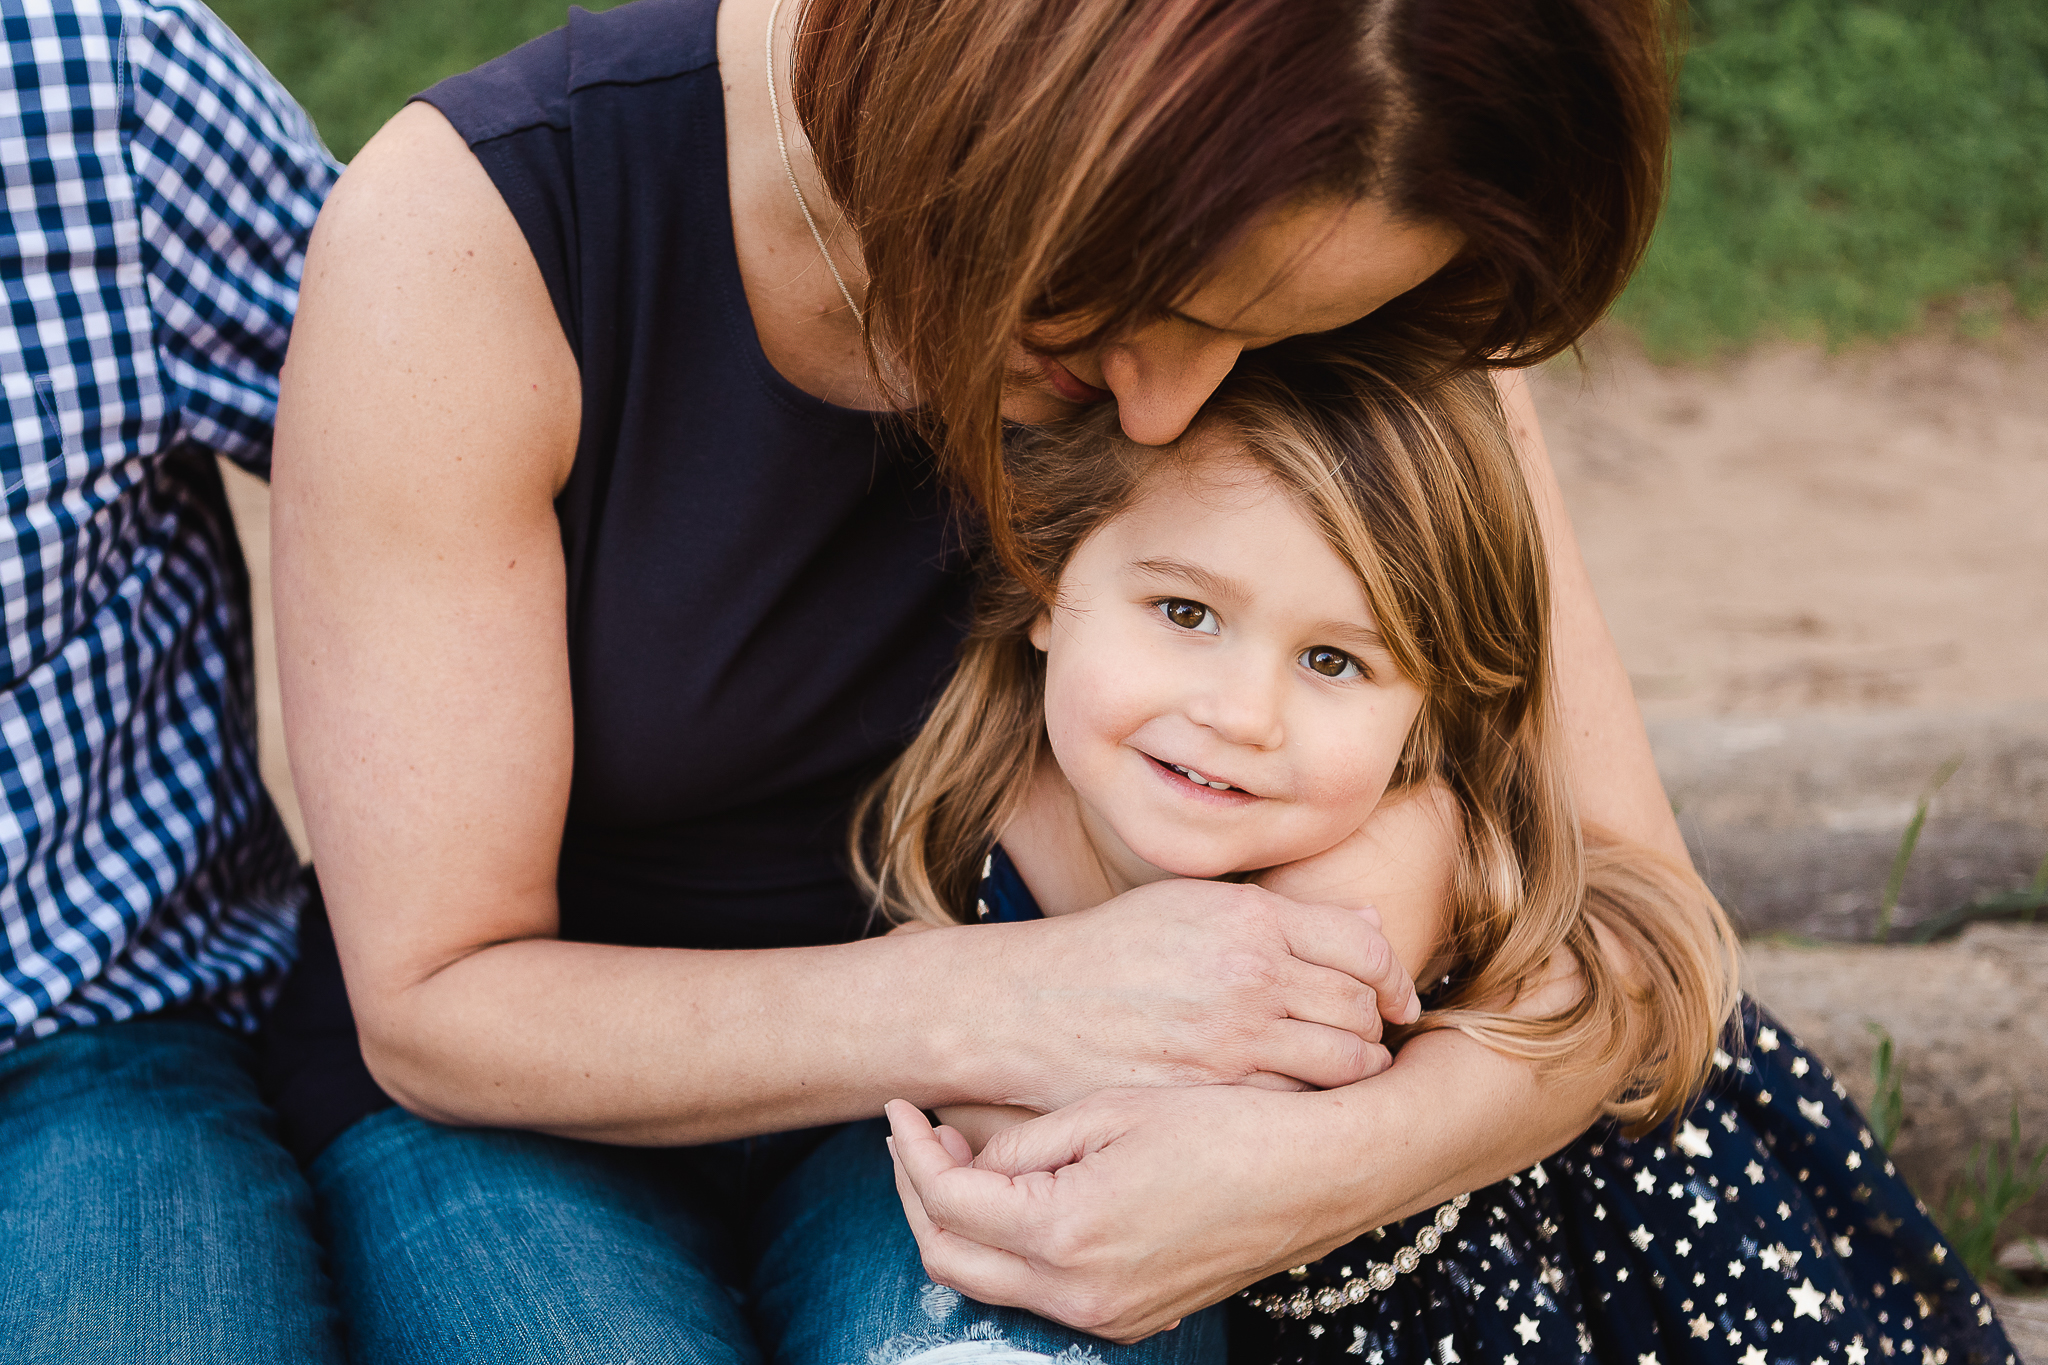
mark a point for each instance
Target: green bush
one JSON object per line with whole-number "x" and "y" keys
{"x": 1841, "y": 165}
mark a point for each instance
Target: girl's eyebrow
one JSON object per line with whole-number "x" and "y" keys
{"x": 1195, "y": 576}
{"x": 1352, "y": 634}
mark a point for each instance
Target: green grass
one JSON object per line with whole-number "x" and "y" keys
{"x": 1842, "y": 166}
{"x": 354, "y": 63}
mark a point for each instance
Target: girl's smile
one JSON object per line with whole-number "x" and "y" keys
{"x": 1218, "y": 698}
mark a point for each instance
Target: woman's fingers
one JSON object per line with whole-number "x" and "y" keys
{"x": 953, "y": 1260}
{"x": 1346, "y": 941}
{"x": 1324, "y": 1057}
{"x": 950, "y": 1201}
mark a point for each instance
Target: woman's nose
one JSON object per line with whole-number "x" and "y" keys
{"x": 1162, "y": 374}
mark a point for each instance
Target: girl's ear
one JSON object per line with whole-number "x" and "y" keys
{"x": 1041, "y": 631}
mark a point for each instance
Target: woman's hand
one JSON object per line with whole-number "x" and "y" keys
{"x": 1123, "y": 1213}
{"x": 1180, "y": 983}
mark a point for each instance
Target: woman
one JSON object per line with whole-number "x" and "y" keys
{"x": 607, "y": 579}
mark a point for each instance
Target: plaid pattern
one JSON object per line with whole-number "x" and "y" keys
{"x": 158, "y": 190}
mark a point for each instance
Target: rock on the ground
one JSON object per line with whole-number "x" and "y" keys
{"x": 1969, "y": 1019}
{"x": 1795, "y": 820}
{"x": 2026, "y": 1323}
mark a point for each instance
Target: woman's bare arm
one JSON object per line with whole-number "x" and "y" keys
{"x": 1614, "y": 775}
{"x": 430, "y": 415}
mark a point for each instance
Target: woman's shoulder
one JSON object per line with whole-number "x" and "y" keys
{"x": 536, "y": 84}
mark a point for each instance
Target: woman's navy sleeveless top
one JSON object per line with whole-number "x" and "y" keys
{"x": 760, "y": 593}
{"x": 763, "y": 595}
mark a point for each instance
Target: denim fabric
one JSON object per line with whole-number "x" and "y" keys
{"x": 455, "y": 1245}
{"x": 147, "y": 1212}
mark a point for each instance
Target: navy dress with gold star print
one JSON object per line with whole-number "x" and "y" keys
{"x": 1768, "y": 1229}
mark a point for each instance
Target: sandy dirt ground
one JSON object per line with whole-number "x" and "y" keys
{"x": 1793, "y": 531}
{"x": 1788, "y": 531}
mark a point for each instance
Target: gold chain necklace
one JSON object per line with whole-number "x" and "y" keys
{"x": 782, "y": 144}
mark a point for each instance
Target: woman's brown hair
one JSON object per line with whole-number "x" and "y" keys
{"x": 1008, "y": 163}
{"x": 1411, "y": 476}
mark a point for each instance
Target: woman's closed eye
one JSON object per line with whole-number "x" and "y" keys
{"x": 1331, "y": 663}
{"x": 1189, "y": 615}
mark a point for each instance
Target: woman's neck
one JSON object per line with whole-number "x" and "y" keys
{"x": 1066, "y": 853}
{"x": 802, "y": 321}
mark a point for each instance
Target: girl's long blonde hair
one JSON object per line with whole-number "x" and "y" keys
{"x": 1412, "y": 477}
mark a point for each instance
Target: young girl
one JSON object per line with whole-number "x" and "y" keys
{"x": 1215, "y": 660}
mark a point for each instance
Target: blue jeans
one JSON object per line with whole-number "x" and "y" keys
{"x": 455, "y": 1245}
{"x": 147, "y": 1212}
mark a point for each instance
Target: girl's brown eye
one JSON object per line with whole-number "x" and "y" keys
{"x": 1331, "y": 663}
{"x": 1189, "y": 615}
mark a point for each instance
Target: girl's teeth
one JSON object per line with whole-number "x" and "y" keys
{"x": 1191, "y": 775}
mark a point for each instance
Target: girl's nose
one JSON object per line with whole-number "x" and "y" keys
{"x": 1162, "y": 374}
{"x": 1240, "y": 703}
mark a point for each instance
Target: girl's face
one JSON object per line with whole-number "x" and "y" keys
{"x": 1309, "y": 267}
{"x": 1217, "y": 693}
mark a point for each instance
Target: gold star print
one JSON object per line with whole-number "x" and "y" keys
{"x": 1842, "y": 1246}
{"x": 1692, "y": 1141}
{"x": 1735, "y": 1269}
{"x": 1767, "y": 1040}
{"x": 1885, "y": 1225}
{"x": 1683, "y": 1246}
{"x": 1647, "y": 1358}
{"x": 1853, "y": 1161}
{"x": 1799, "y": 1067}
{"x": 1645, "y": 1182}
{"x": 1701, "y": 1328}
{"x": 1938, "y": 1255}
{"x": 1856, "y": 1351}
{"x": 1527, "y": 1330}
{"x": 1806, "y": 1301}
{"x": 1812, "y": 1112}
{"x": 1754, "y": 1356}
{"x": 1703, "y": 1211}
{"x": 1754, "y": 1172}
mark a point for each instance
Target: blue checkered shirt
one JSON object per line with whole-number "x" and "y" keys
{"x": 160, "y": 187}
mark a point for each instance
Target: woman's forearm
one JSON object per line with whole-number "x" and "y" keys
{"x": 1613, "y": 773}
{"x": 664, "y": 1047}
{"x": 1451, "y": 1115}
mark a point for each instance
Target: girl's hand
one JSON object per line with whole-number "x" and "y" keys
{"x": 1178, "y": 983}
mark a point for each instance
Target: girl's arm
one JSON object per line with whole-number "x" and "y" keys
{"x": 430, "y": 414}
{"x": 1123, "y": 1213}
